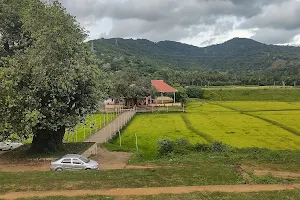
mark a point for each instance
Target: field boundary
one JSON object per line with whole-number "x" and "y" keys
{"x": 152, "y": 191}
{"x": 287, "y": 128}
{"x": 191, "y": 128}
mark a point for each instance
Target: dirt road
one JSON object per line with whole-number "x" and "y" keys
{"x": 152, "y": 191}
{"x": 106, "y": 159}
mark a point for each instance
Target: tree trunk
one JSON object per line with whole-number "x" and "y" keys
{"x": 47, "y": 141}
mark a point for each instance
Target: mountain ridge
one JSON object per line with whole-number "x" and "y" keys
{"x": 242, "y": 54}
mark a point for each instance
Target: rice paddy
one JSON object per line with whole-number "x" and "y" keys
{"x": 272, "y": 125}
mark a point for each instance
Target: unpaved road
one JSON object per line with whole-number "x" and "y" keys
{"x": 151, "y": 191}
{"x": 106, "y": 159}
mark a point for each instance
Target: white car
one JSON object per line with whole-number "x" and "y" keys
{"x": 8, "y": 145}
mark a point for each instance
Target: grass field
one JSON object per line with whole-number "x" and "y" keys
{"x": 151, "y": 127}
{"x": 252, "y": 94}
{"x": 216, "y": 174}
{"x": 92, "y": 124}
{"x": 272, "y": 125}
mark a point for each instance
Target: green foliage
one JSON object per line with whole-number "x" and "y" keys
{"x": 194, "y": 92}
{"x": 236, "y": 62}
{"x": 50, "y": 81}
{"x": 183, "y": 146}
{"x": 165, "y": 146}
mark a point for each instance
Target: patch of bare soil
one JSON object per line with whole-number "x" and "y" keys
{"x": 152, "y": 191}
{"x": 24, "y": 167}
{"x": 111, "y": 160}
{"x": 279, "y": 174}
{"x": 243, "y": 173}
{"x": 259, "y": 171}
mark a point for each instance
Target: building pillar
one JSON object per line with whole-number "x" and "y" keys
{"x": 174, "y": 97}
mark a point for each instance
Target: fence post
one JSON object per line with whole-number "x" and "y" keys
{"x": 76, "y": 136}
{"x": 120, "y": 139}
{"x": 84, "y": 130}
{"x": 91, "y": 128}
{"x": 136, "y": 142}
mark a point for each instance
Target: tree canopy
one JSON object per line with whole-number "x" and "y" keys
{"x": 49, "y": 80}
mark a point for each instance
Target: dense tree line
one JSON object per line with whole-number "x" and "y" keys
{"x": 238, "y": 61}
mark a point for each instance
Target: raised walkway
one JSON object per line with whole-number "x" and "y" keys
{"x": 112, "y": 128}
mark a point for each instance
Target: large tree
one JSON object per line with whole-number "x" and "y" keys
{"x": 48, "y": 78}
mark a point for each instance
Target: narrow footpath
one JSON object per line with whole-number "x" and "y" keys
{"x": 112, "y": 128}
{"x": 151, "y": 191}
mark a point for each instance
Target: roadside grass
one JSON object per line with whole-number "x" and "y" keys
{"x": 252, "y": 94}
{"x": 72, "y": 198}
{"x": 274, "y": 195}
{"x": 23, "y": 152}
{"x": 92, "y": 124}
{"x": 287, "y": 160}
{"x": 214, "y": 174}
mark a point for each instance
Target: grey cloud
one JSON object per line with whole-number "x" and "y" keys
{"x": 281, "y": 16}
{"x": 275, "y": 36}
{"x": 174, "y": 20}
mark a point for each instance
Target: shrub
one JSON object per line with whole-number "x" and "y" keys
{"x": 219, "y": 147}
{"x": 201, "y": 147}
{"x": 182, "y": 146}
{"x": 165, "y": 146}
{"x": 194, "y": 92}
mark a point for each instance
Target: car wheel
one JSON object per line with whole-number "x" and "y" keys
{"x": 58, "y": 169}
{"x": 87, "y": 169}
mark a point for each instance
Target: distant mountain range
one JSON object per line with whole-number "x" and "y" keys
{"x": 237, "y": 54}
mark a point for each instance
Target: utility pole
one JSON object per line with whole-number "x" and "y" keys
{"x": 116, "y": 43}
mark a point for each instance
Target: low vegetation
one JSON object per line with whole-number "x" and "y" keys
{"x": 252, "y": 94}
{"x": 274, "y": 195}
{"x": 217, "y": 174}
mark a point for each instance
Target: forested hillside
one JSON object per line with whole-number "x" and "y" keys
{"x": 238, "y": 53}
{"x": 237, "y": 61}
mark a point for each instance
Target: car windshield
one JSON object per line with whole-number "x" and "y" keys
{"x": 56, "y": 159}
{"x": 84, "y": 159}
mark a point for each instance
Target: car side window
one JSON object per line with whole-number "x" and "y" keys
{"x": 76, "y": 162}
{"x": 66, "y": 161}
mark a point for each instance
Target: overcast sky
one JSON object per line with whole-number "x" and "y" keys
{"x": 196, "y": 22}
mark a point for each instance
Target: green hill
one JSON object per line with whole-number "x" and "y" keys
{"x": 238, "y": 54}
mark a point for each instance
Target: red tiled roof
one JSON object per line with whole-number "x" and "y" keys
{"x": 161, "y": 86}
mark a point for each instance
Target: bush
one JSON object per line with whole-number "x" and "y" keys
{"x": 182, "y": 146}
{"x": 219, "y": 147}
{"x": 194, "y": 92}
{"x": 165, "y": 146}
{"x": 179, "y": 146}
{"x": 201, "y": 147}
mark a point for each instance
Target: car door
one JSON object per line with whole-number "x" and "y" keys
{"x": 66, "y": 164}
{"x": 77, "y": 164}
